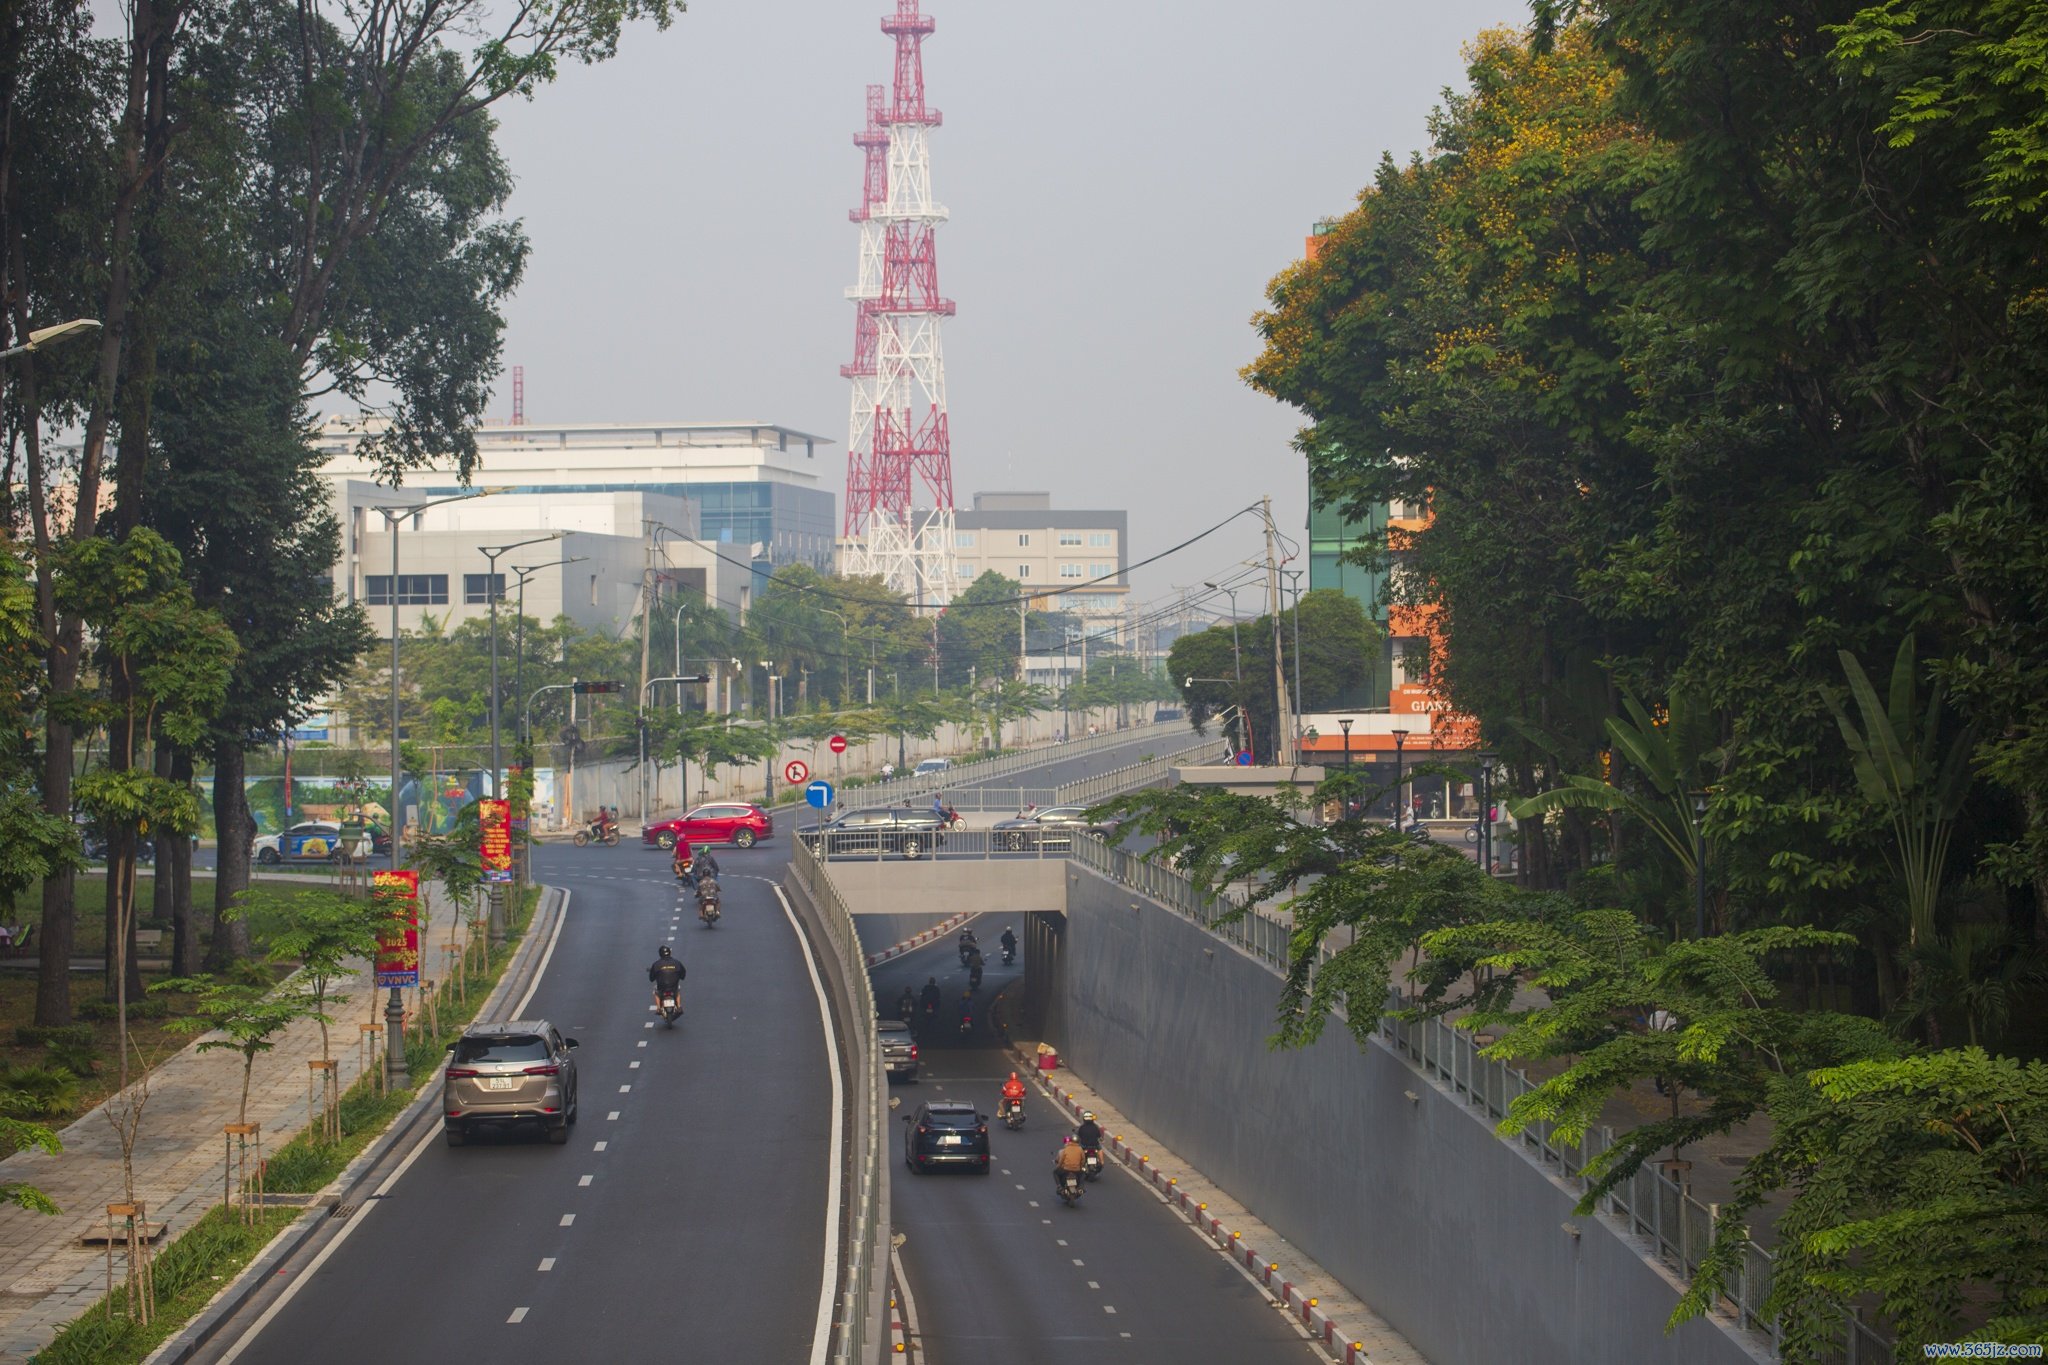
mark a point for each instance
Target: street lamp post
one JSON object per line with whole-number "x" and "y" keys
{"x": 1294, "y": 584}
{"x": 1344, "y": 724}
{"x": 1699, "y": 836}
{"x": 1485, "y": 811}
{"x": 395, "y": 1073}
{"x": 768, "y": 763}
{"x": 1400, "y": 741}
{"x": 1236, "y": 658}
{"x": 43, "y": 336}
{"x": 491, "y": 554}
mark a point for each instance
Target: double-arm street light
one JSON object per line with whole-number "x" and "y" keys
{"x": 519, "y": 628}
{"x": 395, "y": 1072}
{"x": 43, "y": 336}
{"x": 491, "y": 554}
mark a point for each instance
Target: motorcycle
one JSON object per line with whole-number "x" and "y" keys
{"x": 707, "y": 900}
{"x": 967, "y": 948}
{"x": 671, "y": 1003}
{"x": 1091, "y": 1164}
{"x": 598, "y": 833}
{"x": 1070, "y": 1188}
{"x": 1009, "y": 954}
{"x": 954, "y": 819}
{"x": 966, "y": 1025}
{"x": 1013, "y": 1114}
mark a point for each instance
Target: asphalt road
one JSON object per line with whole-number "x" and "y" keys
{"x": 1001, "y": 1273}
{"x": 685, "y": 1219}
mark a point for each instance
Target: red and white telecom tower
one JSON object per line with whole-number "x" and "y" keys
{"x": 898, "y": 445}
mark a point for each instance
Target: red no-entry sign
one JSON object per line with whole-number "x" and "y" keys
{"x": 838, "y": 744}
{"x": 795, "y": 772}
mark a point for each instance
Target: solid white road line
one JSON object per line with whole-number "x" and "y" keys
{"x": 828, "y": 1286}
{"x": 428, "y": 1139}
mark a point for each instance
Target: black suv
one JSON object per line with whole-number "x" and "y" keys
{"x": 1053, "y": 827}
{"x": 878, "y": 829}
{"x": 899, "y": 1048}
{"x": 945, "y": 1133}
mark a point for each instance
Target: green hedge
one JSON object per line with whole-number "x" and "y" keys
{"x": 42, "y": 1035}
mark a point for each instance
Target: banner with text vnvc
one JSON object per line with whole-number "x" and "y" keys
{"x": 494, "y": 833}
{"x": 398, "y": 946}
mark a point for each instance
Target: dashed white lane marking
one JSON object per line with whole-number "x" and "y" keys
{"x": 584, "y": 1179}
{"x": 1020, "y": 1187}
{"x": 1125, "y": 1335}
{"x": 648, "y": 1024}
{"x": 634, "y": 1066}
{"x": 599, "y": 1147}
{"x": 1046, "y": 1221}
{"x": 1077, "y": 1260}
{"x": 567, "y": 1219}
{"x": 1109, "y": 1308}
{"x": 1060, "y": 1240}
{"x": 1032, "y": 1202}
{"x": 624, "y": 1089}
{"x": 547, "y": 1263}
{"x": 518, "y": 1315}
{"x": 1094, "y": 1284}
{"x": 643, "y": 1041}
{"x": 613, "y": 1115}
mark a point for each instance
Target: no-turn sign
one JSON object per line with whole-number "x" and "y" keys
{"x": 838, "y": 744}
{"x": 795, "y": 772}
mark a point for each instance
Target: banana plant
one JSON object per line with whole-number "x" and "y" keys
{"x": 1904, "y": 768}
{"x": 1667, "y": 755}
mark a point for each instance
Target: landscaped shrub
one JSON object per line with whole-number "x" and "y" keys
{"x": 42, "y": 1035}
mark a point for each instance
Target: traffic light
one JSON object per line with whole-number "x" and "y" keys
{"x": 585, "y": 689}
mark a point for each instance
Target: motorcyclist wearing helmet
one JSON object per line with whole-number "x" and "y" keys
{"x": 929, "y": 997}
{"x": 1013, "y": 1093}
{"x": 1089, "y": 1134}
{"x": 1071, "y": 1159}
{"x": 906, "y": 1007}
{"x": 667, "y": 975}
{"x": 680, "y": 861}
{"x": 1009, "y": 940}
{"x": 704, "y": 865}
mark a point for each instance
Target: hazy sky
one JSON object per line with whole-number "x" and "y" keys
{"x": 1123, "y": 177}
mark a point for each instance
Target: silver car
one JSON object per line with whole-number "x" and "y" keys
{"x": 519, "y": 1071}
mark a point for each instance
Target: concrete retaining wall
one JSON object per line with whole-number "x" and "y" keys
{"x": 1457, "y": 1238}
{"x": 946, "y": 886}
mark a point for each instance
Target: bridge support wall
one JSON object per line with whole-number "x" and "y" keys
{"x": 1403, "y": 1192}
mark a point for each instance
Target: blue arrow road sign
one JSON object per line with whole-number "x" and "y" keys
{"x": 819, "y": 794}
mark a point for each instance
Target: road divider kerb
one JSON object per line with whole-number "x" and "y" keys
{"x": 1321, "y": 1327}
{"x": 938, "y": 930}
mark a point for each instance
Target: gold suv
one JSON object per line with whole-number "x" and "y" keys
{"x": 517, "y": 1072}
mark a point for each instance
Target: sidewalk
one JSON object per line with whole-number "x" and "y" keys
{"x": 46, "y": 1277}
{"x": 1348, "y": 1328}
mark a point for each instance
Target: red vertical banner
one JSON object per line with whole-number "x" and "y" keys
{"x": 494, "y": 835}
{"x": 398, "y": 946}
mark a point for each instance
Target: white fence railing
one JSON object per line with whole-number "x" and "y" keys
{"x": 863, "y": 1337}
{"x": 1146, "y": 772}
{"x": 897, "y": 788}
{"x": 1678, "y": 1227}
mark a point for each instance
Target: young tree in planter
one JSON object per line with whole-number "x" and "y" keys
{"x": 320, "y": 932}
{"x": 248, "y": 1017}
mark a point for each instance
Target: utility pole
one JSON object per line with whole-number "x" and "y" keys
{"x": 1284, "y": 729}
{"x": 646, "y": 636}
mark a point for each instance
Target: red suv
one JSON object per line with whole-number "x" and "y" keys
{"x": 728, "y": 822}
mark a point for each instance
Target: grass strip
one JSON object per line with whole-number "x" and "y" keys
{"x": 191, "y": 1270}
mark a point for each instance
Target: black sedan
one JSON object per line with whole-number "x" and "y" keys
{"x": 878, "y": 829}
{"x": 1053, "y": 827}
{"x": 945, "y": 1133}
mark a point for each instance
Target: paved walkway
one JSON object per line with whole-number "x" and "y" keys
{"x": 46, "y": 1277}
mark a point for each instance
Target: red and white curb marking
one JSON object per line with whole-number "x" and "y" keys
{"x": 1319, "y": 1324}
{"x": 936, "y": 931}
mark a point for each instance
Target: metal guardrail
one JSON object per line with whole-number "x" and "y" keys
{"x": 1145, "y": 773}
{"x": 1652, "y": 1205}
{"x": 866, "y": 1253}
{"x": 893, "y": 791}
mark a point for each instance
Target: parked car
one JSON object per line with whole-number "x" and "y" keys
{"x": 945, "y": 1133}
{"x": 514, "y": 1072}
{"x": 899, "y": 1049}
{"x": 889, "y": 829}
{"x": 740, "y": 823}
{"x": 1053, "y": 827}
{"x": 310, "y": 841}
{"x": 932, "y": 767}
